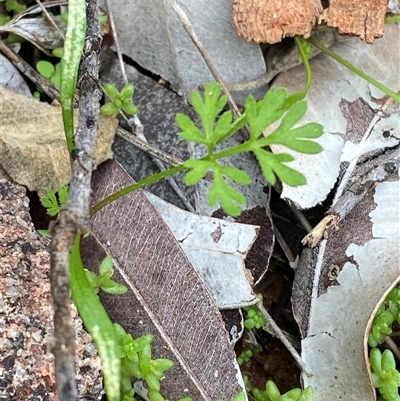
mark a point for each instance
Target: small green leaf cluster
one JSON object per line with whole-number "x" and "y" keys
{"x": 136, "y": 362}
{"x": 119, "y": 100}
{"x": 385, "y": 376}
{"x": 14, "y": 5}
{"x": 387, "y": 314}
{"x": 254, "y": 319}
{"x": 218, "y": 125}
{"x": 245, "y": 356}
{"x": 272, "y": 393}
{"x": 53, "y": 202}
{"x": 103, "y": 279}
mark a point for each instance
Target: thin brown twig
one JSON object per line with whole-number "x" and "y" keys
{"x": 48, "y": 88}
{"x": 278, "y": 333}
{"x": 192, "y": 34}
{"x": 74, "y": 216}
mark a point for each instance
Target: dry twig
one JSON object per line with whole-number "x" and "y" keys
{"x": 74, "y": 216}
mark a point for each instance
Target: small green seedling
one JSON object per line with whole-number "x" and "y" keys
{"x": 14, "y": 5}
{"x": 49, "y": 71}
{"x": 137, "y": 363}
{"x": 245, "y": 356}
{"x": 254, "y": 319}
{"x": 103, "y": 279}
{"x": 385, "y": 376}
{"x": 387, "y": 314}
{"x": 272, "y": 393}
{"x": 53, "y": 204}
{"x": 119, "y": 100}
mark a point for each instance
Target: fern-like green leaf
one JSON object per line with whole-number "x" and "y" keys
{"x": 296, "y": 139}
{"x": 198, "y": 170}
{"x": 272, "y": 165}
{"x": 50, "y": 203}
{"x": 62, "y": 194}
{"x": 228, "y": 197}
{"x": 236, "y": 175}
{"x": 209, "y": 107}
{"x": 189, "y": 131}
{"x": 262, "y": 114}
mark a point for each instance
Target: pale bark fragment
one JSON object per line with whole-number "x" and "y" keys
{"x": 270, "y": 21}
{"x": 365, "y": 19}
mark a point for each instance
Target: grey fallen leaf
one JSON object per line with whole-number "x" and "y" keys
{"x": 33, "y": 149}
{"x": 337, "y": 289}
{"x": 11, "y": 78}
{"x": 166, "y": 296}
{"x": 39, "y": 31}
{"x": 333, "y": 87}
{"x": 216, "y": 248}
{"x": 153, "y": 36}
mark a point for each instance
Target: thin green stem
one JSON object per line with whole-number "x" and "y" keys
{"x": 130, "y": 188}
{"x": 392, "y": 19}
{"x": 306, "y": 63}
{"x": 354, "y": 69}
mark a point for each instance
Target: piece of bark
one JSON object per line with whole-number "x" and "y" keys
{"x": 365, "y": 19}
{"x": 269, "y": 21}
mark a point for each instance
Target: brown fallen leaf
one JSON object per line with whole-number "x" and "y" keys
{"x": 166, "y": 296}
{"x": 365, "y": 19}
{"x": 269, "y": 21}
{"x": 33, "y": 149}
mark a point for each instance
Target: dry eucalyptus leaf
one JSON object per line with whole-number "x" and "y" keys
{"x": 39, "y": 31}
{"x": 350, "y": 105}
{"x": 269, "y": 21}
{"x": 365, "y": 19}
{"x": 336, "y": 291}
{"x": 33, "y": 150}
{"x": 166, "y": 296}
{"x": 216, "y": 248}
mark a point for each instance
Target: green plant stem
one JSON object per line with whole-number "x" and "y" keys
{"x": 392, "y": 19}
{"x": 73, "y": 49}
{"x": 306, "y": 63}
{"x": 97, "y": 323}
{"x": 354, "y": 69}
{"x": 130, "y": 188}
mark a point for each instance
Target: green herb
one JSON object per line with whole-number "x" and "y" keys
{"x": 97, "y": 323}
{"x": 119, "y": 100}
{"x": 103, "y": 279}
{"x": 385, "y": 376}
{"x": 254, "y": 319}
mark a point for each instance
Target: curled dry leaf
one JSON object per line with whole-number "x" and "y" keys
{"x": 33, "y": 150}
{"x": 338, "y": 286}
{"x": 166, "y": 296}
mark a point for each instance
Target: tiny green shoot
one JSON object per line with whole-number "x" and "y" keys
{"x": 119, "y": 100}
{"x": 103, "y": 280}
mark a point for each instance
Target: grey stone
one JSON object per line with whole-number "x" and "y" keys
{"x": 152, "y": 35}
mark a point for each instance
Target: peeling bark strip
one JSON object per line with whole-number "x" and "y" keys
{"x": 365, "y": 19}
{"x": 270, "y": 21}
{"x": 74, "y": 217}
